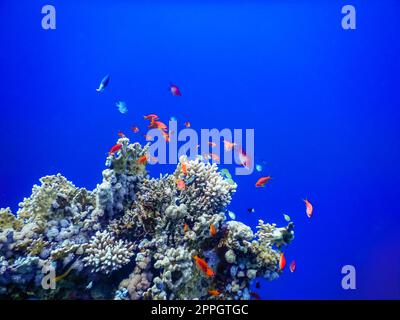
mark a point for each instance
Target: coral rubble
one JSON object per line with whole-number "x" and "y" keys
{"x": 134, "y": 237}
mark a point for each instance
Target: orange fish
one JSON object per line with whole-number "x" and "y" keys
{"x": 202, "y": 264}
{"x": 180, "y": 184}
{"x": 214, "y": 293}
{"x": 151, "y": 117}
{"x": 229, "y": 145}
{"x": 282, "y": 261}
{"x": 292, "y": 266}
{"x": 157, "y": 125}
{"x": 213, "y": 230}
{"x": 185, "y": 227}
{"x": 262, "y": 181}
{"x": 214, "y": 157}
{"x": 121, "y": 135}
{"x": 143, "y": 159}
{"x": 212, "y": 144}
{"x": 309, "y": 208}
{"x": 187, "y": 124}
{"x": 184, "y": 168}
{"x": 115, "y": 148}
{"x": 135, "y": 129}
{"x": 148, "y": 137}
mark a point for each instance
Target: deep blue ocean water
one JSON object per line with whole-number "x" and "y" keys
{"x": 324, "y": 103}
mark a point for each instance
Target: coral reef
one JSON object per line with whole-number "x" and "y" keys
{"x": 135, "y": 237}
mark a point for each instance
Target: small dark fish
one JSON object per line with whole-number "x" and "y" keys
{"x": 258, "y": 285}
{"x": 251, "y": 210}
{"x": 104, "y": 83}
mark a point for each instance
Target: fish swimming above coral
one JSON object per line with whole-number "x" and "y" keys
{"x": 135, "y": 237}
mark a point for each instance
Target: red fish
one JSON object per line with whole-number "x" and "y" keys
{"x": 115, "y": 148}
{"x": 204, "y": 267}
{"x": 309, "y": 208}
{"x": 175, "y": 90}
{"x": 229, "y": 145}
{"x": 151, "y": 117}
{"x": 282, "y": 261}
{"x": 262, "y": 181}
{"x": 143, "y": 159}
{"x": 135, "y": 129}
{"x": 293, "y": 266}
{"x": 213, "y": 230}
{"x": 120, "y": 134}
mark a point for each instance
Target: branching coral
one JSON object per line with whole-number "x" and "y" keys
{"x": 105, "y": 254}
{"x": 135, "y": 237}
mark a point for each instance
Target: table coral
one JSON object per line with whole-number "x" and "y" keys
{"x": 135, "y": 237}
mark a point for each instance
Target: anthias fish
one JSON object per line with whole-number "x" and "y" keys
{"x": 115, "y": 148}
{"x": 203, "y": 266}
{"x": 214, "y": 292}
{"x": 229, "y": 145}
{"x": 292, "y": 266}
{"x": 309, "y": 208}
{"x": 244, "y": 158}
{"x": 143, "y": 159}
{"x": 213, "y": 230}
{"x": 104, "y": 83}
{"x": 184, "y": 168}
{"x": 157, "y": 125}
{"x": 185, "y": 227}
{"x": 151, "y": 117}
{"x": 282, "y": 261}
{"x": 180, "y": 184}
{"x": 262, "y": 181}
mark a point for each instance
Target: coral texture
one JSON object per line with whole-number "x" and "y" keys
{"x": 135, "y": 237}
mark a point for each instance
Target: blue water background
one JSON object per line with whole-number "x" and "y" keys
{"x": 324, "y": 103}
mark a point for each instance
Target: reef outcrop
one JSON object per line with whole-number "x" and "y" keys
{"x": 135, "y": 237}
